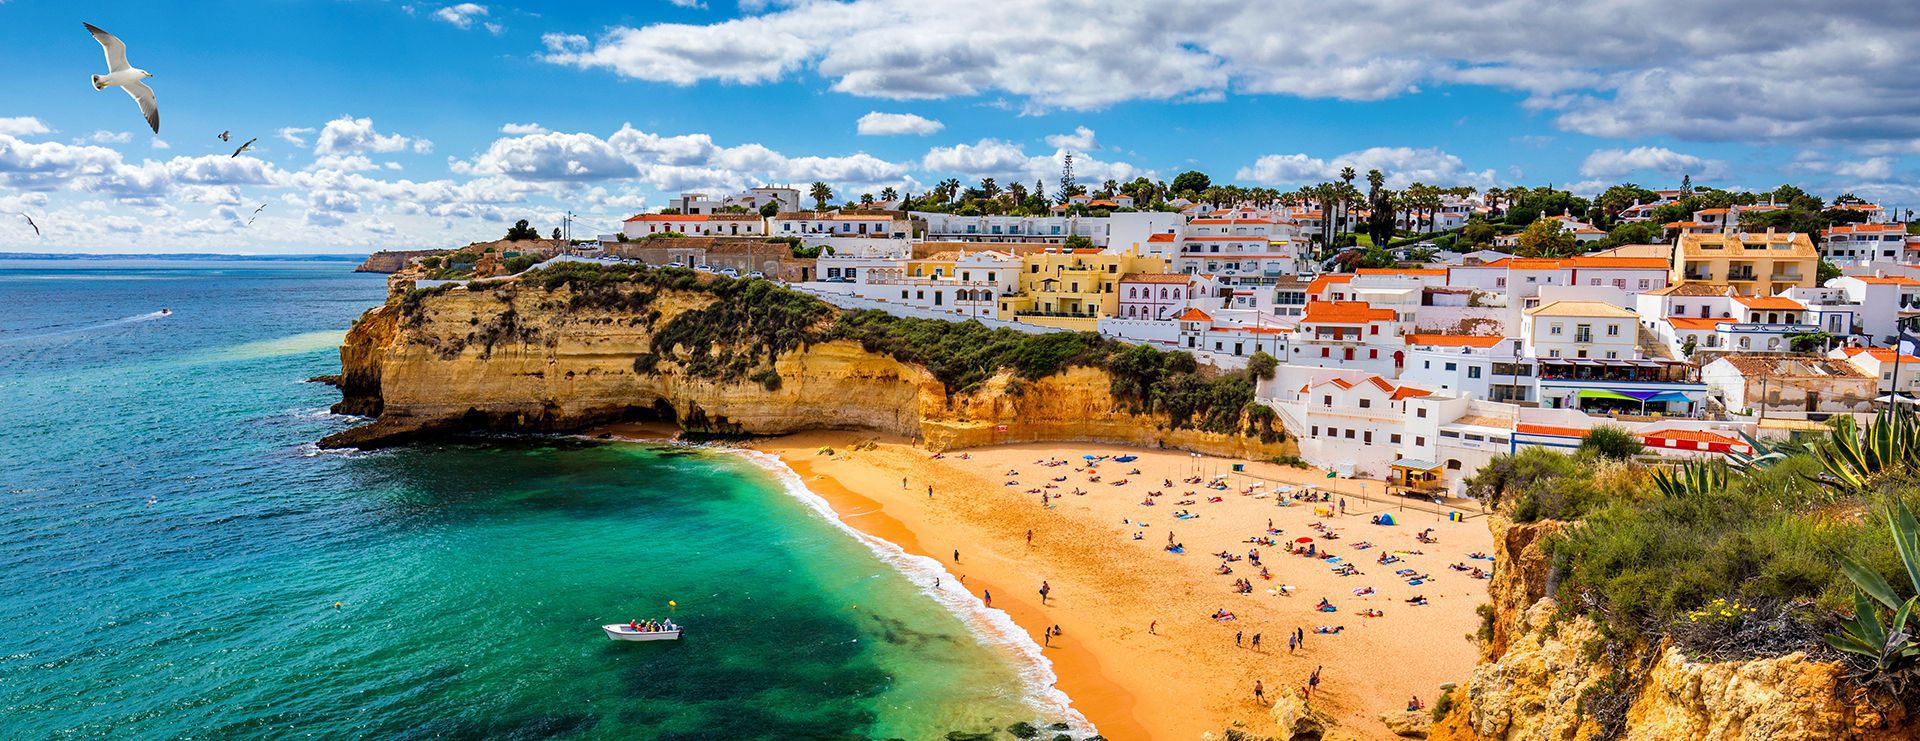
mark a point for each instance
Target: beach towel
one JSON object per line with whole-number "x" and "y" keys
{"x": 1416, "y": 582}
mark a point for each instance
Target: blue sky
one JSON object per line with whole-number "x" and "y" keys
{"x": 406, "y": 124}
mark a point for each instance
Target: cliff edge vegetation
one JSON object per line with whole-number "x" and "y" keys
{"x": 572, "y": 344}
{"x": 1742, "y": 598}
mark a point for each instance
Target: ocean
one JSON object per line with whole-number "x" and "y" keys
{"x": 178, "y": 560}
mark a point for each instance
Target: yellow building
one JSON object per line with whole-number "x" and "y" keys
{"x": 1072, "y": 289}
{"x": 1753, "y": 263}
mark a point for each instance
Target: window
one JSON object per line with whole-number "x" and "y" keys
{"x": 1554, "y": 353}
{"x": 1473, "y": 371}
{"x": 1316, "y": 430}
{"x": 1326, "y": 352}
{"x": 1421, "y": 412}
{"x": 1326, "y": 401}
{"x": 1366, "y": 403}
{"x": 1453, "y": 366}
{"x": 1367, "y": 437}
{"x": 1394, "y": 438}
{"x": 1555, "y": 328}
{"x": 1349, "y": 433}
{"x": 1375, "y": 329}
{"x": 1613, "y": 330}
{"x": 1450, "y": 434}
{"x": 1419, "y": 441}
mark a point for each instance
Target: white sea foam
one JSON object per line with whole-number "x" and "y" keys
{"x": 992, "y": 627}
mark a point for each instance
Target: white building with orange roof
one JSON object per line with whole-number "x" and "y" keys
{"x": 1883, "y": 300}
{"x": 1241, "y": 247}
{"x": 1580, "y": 329}
{"x": 1484, "y": 367}
{"x": 641, "y": 225}
{"x": 1352, "y": 422}
{"x": 1162, "y": 296}
{"x": 1347, "y": 334}
{"x": 1879, "y": 363}
{"x": 1862, "y": 244}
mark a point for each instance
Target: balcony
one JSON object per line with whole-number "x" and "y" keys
{"x": 1062, "y": 314}
{"x": 1742, "y": 275}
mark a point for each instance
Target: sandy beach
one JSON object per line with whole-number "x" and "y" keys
{"x": 1138, "y": 651}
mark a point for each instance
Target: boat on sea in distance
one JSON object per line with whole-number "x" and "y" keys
{"x": 627, "y": 632}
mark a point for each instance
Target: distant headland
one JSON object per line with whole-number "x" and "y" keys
{"x": 343, "y": 257}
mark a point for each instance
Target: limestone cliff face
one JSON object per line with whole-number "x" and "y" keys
{"x": 1542, "y": 679}
{"x": 392, "y": 261}
{"x": 527, "y": 359}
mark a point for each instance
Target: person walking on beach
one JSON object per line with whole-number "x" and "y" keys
{"x": 1313, "y": 681}
{"x": 1259, "y": 692}
{"x": 1044, "y": 589}
{"x": 1046, "y": 639}
{"x": 1293, "y": 642}
{"x": 1151, "y": 626}
{"x": 1029, "y": 537}
{"x": 1256, "y": 641}
{"x": 956, "y": 555}
{"x": 988, "y": 596}
{"x": 903, "y": 482}
{"x": 1343, "y": 505}
{"x": 929, "y": 491}
{"x": 1299, "y": 634}
{"x": 1236, "y": 638}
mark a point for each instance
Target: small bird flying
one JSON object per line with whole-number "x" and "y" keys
{"x": 244, "y": 147}
{"x": 121, "y": 75}
{"x": 225, "y": 135}
{"x": 256, "y": 214}
{"x": 36, "y": 227}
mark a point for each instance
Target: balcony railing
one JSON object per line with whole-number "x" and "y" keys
{"x": 1065, "y": 314}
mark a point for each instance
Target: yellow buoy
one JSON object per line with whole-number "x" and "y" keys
{"x": 671, "y": 603}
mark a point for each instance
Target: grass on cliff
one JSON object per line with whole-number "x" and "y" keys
{"x": 1645, "y": 564}
{"x": 753, "y": 322}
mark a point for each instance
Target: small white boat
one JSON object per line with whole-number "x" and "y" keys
{"x": 621, "y": 632}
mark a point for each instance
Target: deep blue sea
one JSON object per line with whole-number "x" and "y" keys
{"x": 178, "y": 560}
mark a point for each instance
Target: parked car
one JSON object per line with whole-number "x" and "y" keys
{"x": 730, "y": 272}
{"x": 756, "y": 274}
{"x": 703, "y": 268}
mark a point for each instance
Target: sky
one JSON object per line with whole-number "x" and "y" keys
{"x": 391, "y": 124}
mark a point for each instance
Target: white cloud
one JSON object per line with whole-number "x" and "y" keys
{"x": 523, "y": 128}
{"x": 1871, "y": 168}
{"x": 462, "y": 16}
{"x": 295, "y": 135}
{"x": 894, "y": 124}
{"x": 1402, "y": 166}
{"x": 1007, "y": 162}
{"x": 695, "y": 4}
{"x": 1080, "y": 140}
{"x": 1608, "y": 163}
{"x": 22, "y": 126}
{"x": 159, "y": 143}
{"x": 668, "y": 163}
{"x": 349, "y": 135}
{"x": 102, "y": 136}
{"x": 1772, "y": 71}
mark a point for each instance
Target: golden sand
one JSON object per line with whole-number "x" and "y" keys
{"x": 1107, "y": 587}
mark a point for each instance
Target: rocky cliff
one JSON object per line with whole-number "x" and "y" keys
{"x": 392, "y": 261}
{"x": 530, "y": 359}
{"x": 1542, "y": 678}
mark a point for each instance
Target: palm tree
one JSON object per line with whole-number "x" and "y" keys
{"x": 866, "y": 199}
{"x": 1109, "y": 187}
{"x": 888, "y": 193}
{"x": 820, "y": 194}
{"x": 989, "y": 187}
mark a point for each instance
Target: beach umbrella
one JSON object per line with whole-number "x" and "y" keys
{"x": 1303, "y": 540}
{"x": 1090, "y": 457}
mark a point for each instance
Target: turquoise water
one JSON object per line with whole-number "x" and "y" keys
{"x": 172, "y": 548}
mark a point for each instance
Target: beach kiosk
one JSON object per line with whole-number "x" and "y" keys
{"x": 1417, "y": 478}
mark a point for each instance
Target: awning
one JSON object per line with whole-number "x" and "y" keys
{"x": 1600, "y": 394}
{"x": 1671, "y": 396}
{"x": 1415, "y": 464}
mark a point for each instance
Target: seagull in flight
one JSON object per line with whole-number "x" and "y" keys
{"x": 244, "y": 147}
{"x": 122, "y": 76}
{"x": 256, "y": 214}
{"x": 225, "y": 135}
{"x": 36, "y": 227}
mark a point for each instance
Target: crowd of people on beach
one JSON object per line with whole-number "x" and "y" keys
{"x": 1316, "y": 546}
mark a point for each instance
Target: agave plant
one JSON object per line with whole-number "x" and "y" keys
{"x": 1887, "y": 644}
{"x": 1761, "y": 455}
{"x": 1692, "y": 478}
{"x": 1853, "y": 458}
